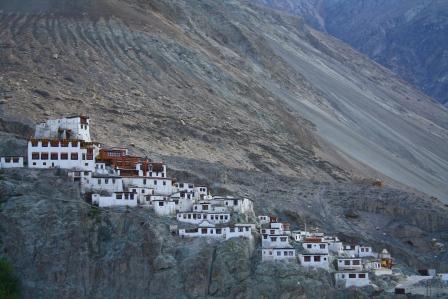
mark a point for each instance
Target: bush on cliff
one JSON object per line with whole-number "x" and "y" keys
{"x": 9, "y": 286}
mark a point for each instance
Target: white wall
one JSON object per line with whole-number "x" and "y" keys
{"x": 273, "y": 241}
{"x": 335, "y": 247}
{"x": 262, "y": 219}
{"x": 196, "y": 218}
{"x": 273, "y": 254}
{"x": 213, "y": 232}
{"x": 113, "y": 201}
{"x": 210, "y": 232}
{"x": 49, "y": 129}
{"x": 79, "y": 163}
{"x": 315, "y": 247}
{"x": 349, "y": 264}
{"x": 365, "y": 251}
{"x": 102, "y": 183}
{"x": 240, "y": 231}
{"x": 314, "y": 261}
{"x": 353, "y": 279}
{"x": 350, "y": 251}
{"x": 11, "y": 162}
{"x": 161, "y": 186}
{"x": 164, "y": 208}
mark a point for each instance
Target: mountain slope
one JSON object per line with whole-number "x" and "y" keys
{"x": 227, "y": 82}
{"x": 407, "y": 36}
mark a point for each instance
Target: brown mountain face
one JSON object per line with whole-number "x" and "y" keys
{"x": 224, "y": 82}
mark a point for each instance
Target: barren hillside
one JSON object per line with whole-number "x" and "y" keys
{"x": 221, "y": 81}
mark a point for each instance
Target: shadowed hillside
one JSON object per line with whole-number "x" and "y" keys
{"x": 407, "y": 36}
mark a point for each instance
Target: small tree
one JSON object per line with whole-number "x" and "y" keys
{"x": 9, "y": 285}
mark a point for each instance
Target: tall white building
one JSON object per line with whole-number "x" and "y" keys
{"x": 73, "y": 127}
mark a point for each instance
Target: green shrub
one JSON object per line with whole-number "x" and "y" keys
{"x": 94, "y": 213}
{"x": 9, "y": 285}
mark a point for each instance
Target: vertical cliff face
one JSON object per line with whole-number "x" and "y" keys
{"x": 408, "y": 37}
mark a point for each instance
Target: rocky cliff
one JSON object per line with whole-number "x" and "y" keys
{"x": 61, "y": 247}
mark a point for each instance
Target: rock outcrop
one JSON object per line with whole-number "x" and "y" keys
{"x": 62, "y": 247}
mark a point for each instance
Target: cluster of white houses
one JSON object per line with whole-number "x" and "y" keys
{"x": 351, "y": 264}
{"x": 114, "y": 177}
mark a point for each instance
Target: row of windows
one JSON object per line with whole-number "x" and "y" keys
{"x": 155, "y": 182}
{"x": 321, "y": 246}
{"x": 274, "y": 239}
{"x": 52, "y": 165}
{"x": 55, "y": 156}
{"x": 240, "y": 229}
{"x": 55, "y": 144}
{"x": 106, "y": 181}
{"x": 200, "y": 216}
{"x": 204, "y": 207}
{"x": 13, "y": 159}
{"x": 285, "y": 253}
{"x": 354, "y": 262}
{"x": 353, "y": 275}
{"x": 125, "y": 195}
{"x": 307, "y": 258}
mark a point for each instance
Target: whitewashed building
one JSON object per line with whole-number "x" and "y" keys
{"x": 11, "y": 162}
{"x": 365, "y": 251}
{"x": 275, "y": 241}
{"x": 300, "y": 235}
{"x": 262, "y": 219}
{"x": 315, "y": 246}
{"x": 164, "y": 207}
{"x": 198, "y": 217}
{"x": 274, "y": 254}
{"x": 239, "y": 230}
{"x": 184, "y": 201}
{"x": 99, "y": 182}
{"x": 314, "y": 260}
{"x": 353, "y": 264}
{"x": 143, "y": 194}
{"x": 185, "y": 187}
{"x": 73, "y": 127}
{"x": 352, "y": 279}
{"x": 350, "y": 250}
{"x": 200, "y": 192}
{"x": 207, "y": 206}
{"x": 335, "y": 246}
{"x": 116, "y": 199}
{"x": 161, "y": 186}
{"x": 271, "y": 231}
{"x": 209, "y": 230}
{"x": 239, "y": 205}
{"x": 67, "y": 154}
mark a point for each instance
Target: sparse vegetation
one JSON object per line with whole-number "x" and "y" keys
{"x": 95, "y": 213}
{"x": 9, "y": 285}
